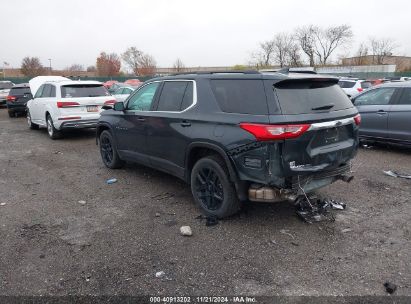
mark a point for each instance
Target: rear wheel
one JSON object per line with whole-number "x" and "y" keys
{"x": 108, "y": 151}
{"x": 51, "y": 130}
{"x": 31, "y": 125}
{"x": 211, "y": 187}
{"x": 11, "y": 113}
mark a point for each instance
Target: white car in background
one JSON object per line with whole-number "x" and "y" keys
{"x": 352, "y": 87}
{"x": 122, "y": 93}
{"x": 5, "y": 87}
{"x": 62, "y": 104}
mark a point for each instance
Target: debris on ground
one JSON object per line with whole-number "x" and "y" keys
{"x": 2, "y": 204}
{"x": 111, "y": 181}
{"x": 284, "y": 231}
{"x": 82, "y": 202}
{"x": 58, "y": 152}
{"x": 390, "y": 287}
{"x": 295, "y": 244}
{"x": 162, "y": 196}
{"x": 186, "y": 231}
{"x": 160, "y": 274}
{"x": 396, "y": 174}
{"x": 346, "y": 230}
{"x": 157, "y": 214}
{"x": 313, "y": 209}
{"x": 210, "y": 220}
{"x": 365, "y": 146}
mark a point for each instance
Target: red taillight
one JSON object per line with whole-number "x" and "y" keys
{"x": 68, "y": 118}
{"x": 360, "y": 89}
{"x": 110, "y": 102}
{"x": 357, "y": 119}
{"x": 67, "y": 104}
{"x": 11, "y": 98}
{"x": 271, "y": 132}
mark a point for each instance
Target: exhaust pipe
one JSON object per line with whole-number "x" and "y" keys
{"x": 257, "y": 193}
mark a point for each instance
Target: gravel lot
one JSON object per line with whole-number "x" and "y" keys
{"x": 114, "y": 243}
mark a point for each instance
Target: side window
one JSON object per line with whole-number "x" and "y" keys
{"x": 143, "y": 98}
{"x": 118, "y": 91}
{"x": 52, "y": 91}
{"x": 46, "y": 91}
{"x": 172, "y": 96}
{"x": 127, "y": 91}
{"x": 405, "y": 97}
{"x": 39, "y": 91}
{"x": 188, "y": 97}
{"x": 380, "y": 96}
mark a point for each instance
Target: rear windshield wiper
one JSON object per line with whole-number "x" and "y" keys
{"x": 325, "y": 107}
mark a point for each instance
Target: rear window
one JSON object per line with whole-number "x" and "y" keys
{"x": 83, "y": 90}
{"x": 310, "y": 96}
{"x": 346, "y": 84}
{"x": 5, "y": 85}
{"x": 19, "y": 91}
{"x": 240, "y": 96}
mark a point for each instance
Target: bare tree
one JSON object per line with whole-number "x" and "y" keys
{"x": 360, "y": 57}
{"x": 31, "y": 67}
{"x": 75, "y": 68}
{"x": 91, "y": 68}
{"x": 327, "y": 40}
{"x": 306, "y": 40}
{"x": 381, "y": 48}
{"x": 294, "y": 58}
{"x": 147, "y": 65}
{"x": 282, "y": 43}
{"x": 264, "y": 56}
{"x": 108, "y": 64}
{"x": 178, "y": 66}
{"x": 132, "y": 58}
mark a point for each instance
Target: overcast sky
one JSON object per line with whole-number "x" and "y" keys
{"x": 201, "y": 33}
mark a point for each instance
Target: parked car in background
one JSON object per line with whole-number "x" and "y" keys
{"x": 5, "y": 87}
{"x": 236, "y": 136}
{"x": 386, "y": 113}
{"x": 17, "y": 99}
{"x": 122, "y": 93}
{"x": 115, "y": 86}
{"x": 133, "y": 82}
{"x": 109, "y": 83}
{"x": 352, "y": 87}
{"x": 66, "y": 104}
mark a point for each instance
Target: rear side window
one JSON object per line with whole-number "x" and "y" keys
{"x": 175, "y": 96}
{"x": 240, "y": 96}
{"x": 19, "y": 91}
{"x": 46, "y": 91}
{"x": 406, "y": 97}
{"x": 381, "y": 96}
{"x": 310, "y": 96}
{"x": 83, "y": 90}
{"x": 346, "y": 84}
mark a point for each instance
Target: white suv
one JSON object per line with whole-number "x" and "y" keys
{"x": 352, "y": 87}
{"x": 67, "y": 104}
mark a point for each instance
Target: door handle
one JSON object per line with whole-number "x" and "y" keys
{"x": 381, "y": 112}
{"x": 185, "y": 124}
{"x": 141, "y": 119}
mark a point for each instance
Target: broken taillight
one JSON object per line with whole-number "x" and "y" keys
{"x": 271, "y": 132}
{"x": 67, "y": 104}
{"x": 357, "y": 119}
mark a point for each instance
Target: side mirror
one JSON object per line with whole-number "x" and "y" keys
{"x": 119, "y": 106}
{"x": 106, "y": 107}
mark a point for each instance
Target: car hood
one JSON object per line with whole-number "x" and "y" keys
{"x": 36, "y": 82}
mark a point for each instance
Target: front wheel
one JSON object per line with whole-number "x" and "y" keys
{"x": 108, "y": 151}
{"x": 51, "y": 130}
{"x": 212, "y": 189}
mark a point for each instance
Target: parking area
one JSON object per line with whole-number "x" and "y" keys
{"x": 124, "y": 233}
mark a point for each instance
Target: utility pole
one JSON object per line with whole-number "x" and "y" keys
{"x": 50, "y": 65}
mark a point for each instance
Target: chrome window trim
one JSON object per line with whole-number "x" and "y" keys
{"x": 194, "y": 102}
{"x": 331, "y": 124}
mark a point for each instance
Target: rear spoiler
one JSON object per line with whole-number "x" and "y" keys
{"x": 327, "y": 81}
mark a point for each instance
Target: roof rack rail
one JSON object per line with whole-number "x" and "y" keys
{"x": 218, "y": 72}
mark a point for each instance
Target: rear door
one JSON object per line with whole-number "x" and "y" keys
{"x": 36, "y": 107}
{"x": 399, "y": 117}
{"x": 326, "y": 113}
{"x": 374, "y": 107}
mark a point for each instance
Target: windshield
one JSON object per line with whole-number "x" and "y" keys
{"x": 83, "y": 90}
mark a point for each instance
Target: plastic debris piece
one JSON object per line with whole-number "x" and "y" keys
{"x": 390, "y": 287}
{"x": 82, "y": 202}
{"x": 186, "y": 231}
{"x": 157, "y": 214}
{"x": 2, "y": 204}
{"x": 284, "y": 231}
{"x": 160, "y": 274}
{"x": 111, "y": 181}
{"x": 396, "y": 174}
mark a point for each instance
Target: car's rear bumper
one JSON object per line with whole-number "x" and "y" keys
{"x": 79, "y": 124}
{"x": 19, "y": 107}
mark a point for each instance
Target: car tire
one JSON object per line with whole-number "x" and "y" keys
{"x": 212, "y": 189}
{"x": 31, "y": 125}
{"x": 108, "y": 151}
{"x": 11, "y": 113}
{"x": 51, "y": 130}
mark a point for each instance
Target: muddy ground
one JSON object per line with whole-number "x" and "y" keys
{"x": 114, "y": 243}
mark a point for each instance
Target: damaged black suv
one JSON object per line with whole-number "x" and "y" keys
{"x": 236, "y": 136}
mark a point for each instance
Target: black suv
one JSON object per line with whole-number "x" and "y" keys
{"x": 236, "y": 136}
{"x": 17, "y": 99}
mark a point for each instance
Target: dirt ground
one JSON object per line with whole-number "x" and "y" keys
{"x": 115, "y": 243}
